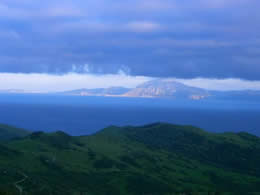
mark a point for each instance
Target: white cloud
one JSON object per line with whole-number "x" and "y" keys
{"x": 85, "y": 68}
{"x": 222, "y": 84}
{"x": 51, "y": 83}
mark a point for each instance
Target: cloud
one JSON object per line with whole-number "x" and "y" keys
{"x": 36, "y": 82}
{"x": 166, "y": 38}
{"x": 52, "y": 83}
{"x": 86, "y": 68}
{"x": 222, "y": 84}
{"x": 143, "y": 26}
{"x": 124, "y": 70}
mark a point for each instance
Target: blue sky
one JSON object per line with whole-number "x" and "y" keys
{"x": 216, "y": 39}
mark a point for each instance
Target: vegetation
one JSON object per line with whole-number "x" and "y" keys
{"x": 155, "y": 159}
{"x": 8, "y": 132}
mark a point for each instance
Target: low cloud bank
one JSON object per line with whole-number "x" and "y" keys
{"x": 52, "y": 83}
{"x": 222, "y": 84}
{"x": 43, "y": 82}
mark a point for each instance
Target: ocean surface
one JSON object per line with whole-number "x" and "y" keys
{"x": 86, "y": 115}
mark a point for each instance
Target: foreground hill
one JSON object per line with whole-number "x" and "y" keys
{"x": 8, "y": 132}
{"x": 153, "y": 159}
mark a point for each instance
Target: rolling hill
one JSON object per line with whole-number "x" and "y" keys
{"x": 153, "y": 159}
{"x": 8, "y": 132}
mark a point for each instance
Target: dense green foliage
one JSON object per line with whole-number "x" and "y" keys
{"x": 155, "y": 159}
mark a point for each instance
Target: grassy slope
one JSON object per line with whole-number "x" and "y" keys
{"x": 153, "y": 159}
{"x": 8, "y": 132}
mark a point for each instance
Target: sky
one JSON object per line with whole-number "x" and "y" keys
{"x": 214, "y": 40}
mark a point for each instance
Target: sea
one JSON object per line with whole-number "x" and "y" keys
{"x": 83, "y": 115}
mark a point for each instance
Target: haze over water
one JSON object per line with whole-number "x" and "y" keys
{"x": 85, "y": 115}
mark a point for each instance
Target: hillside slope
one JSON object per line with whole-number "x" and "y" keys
{"x": 153, "y": 159}
{"x": 8, "y": 132}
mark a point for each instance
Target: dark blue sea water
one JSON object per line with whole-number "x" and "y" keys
{"x": 85, "y": 115}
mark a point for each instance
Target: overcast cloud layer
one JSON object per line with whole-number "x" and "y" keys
{"x": 155, "y": 38}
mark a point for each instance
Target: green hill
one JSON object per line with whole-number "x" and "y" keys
{"x": 154, "y": 159}
{"x": 8, "y": 132}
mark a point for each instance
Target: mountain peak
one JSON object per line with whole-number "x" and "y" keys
{"x": 161, "y": 82}
{"x": 167, "y": 88}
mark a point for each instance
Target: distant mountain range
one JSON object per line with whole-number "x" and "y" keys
{"x": 112, "y": 91}
{"x": 159, "y": 88}
{"x": 156, "y": 88}
{"x": 165, "y": 88}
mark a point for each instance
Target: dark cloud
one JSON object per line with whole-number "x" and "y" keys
{"x": 167, "y": 38}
